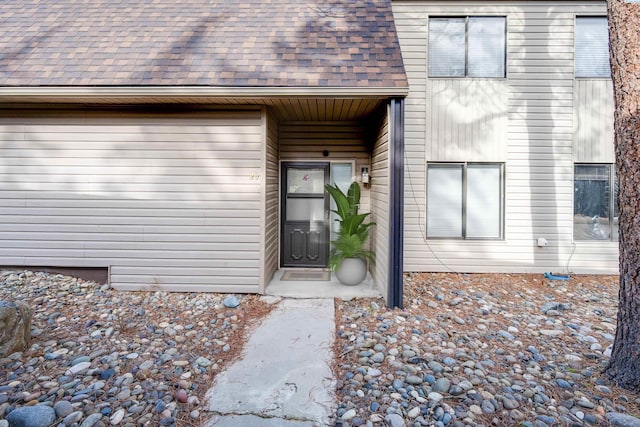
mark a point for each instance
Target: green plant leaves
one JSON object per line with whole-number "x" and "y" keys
{"x": 353, "y": 231}
{"x": 342, "y": 203}
{"x": 348, "y": 246}
{"x": 353, "y": 196}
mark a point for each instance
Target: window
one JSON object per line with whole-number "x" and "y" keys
{"x": 595, "y": 202}
{"x": 467, "y": 46}
{"x": 465, "y": 200}
{"x": 592, "y": 47}
{"x": 342, "y": 176}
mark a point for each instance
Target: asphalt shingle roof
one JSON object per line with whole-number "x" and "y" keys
{"x": 238, "y": 43}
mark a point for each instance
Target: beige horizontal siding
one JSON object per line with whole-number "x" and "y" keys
{"x": 308, "y": 140}
{"x": 166, "y": 201}
{"x": 538, "y": 145}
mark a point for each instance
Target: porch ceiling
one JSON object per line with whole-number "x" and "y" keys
{"x": 323, "y": 109}
{"x": 286, "y": 109}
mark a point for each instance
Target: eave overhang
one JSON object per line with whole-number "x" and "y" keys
{"x": 138, "y": 94}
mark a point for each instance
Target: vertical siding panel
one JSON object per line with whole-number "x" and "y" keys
{"x": 593, "y": 130}
{"x": 471, "y": 114}
{"x": 539, "y": 187}
{"x": 380, "y": 170}
{"x": 608, "y": 119}
{"x": 167, "y": 201}
{"x": 420, "y": 118}
{"x": 532, "y": 114}
{"x": 271, "y": 226}
{"x": 475, "y": 127}
{"x": 438, "y": 141}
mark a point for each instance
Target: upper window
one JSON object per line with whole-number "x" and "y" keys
{"x": 465, "y": 200}
{"x": 592, "y": 47}
{"x": 595, "y": 207}
{"x": 473, "y": 46}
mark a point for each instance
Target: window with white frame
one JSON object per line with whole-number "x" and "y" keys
{"x": 465, "y": 200}
{"x": 595, "y": 202}
{"x": 472, "y": 46}
{"x": 592, "y": 47}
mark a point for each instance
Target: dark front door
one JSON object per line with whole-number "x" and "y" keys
{"x": 305, "y": 209}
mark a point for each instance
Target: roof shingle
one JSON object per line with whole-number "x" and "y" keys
{"x": 262, "y": 43}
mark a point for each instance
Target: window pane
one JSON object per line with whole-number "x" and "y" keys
{"x": 341, "y": 175}
{"x": 305, "y": 180}
{"x": 483, "y": 201}
{"x": 591, "y": 202}
{"x": 446, "y": 47}
{"x": 305, "y": 209}
{"x": 444, "y": 201}
{"x": 487, "y": 45}
{"x": 592, "y": 47}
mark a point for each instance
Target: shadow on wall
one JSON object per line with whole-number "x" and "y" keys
{"x": 93, "y": 274}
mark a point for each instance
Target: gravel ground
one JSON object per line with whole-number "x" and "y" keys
{"x": 101, "y": 357}
{"x": 484, "y": 349}
{"x": 468, "y": 350}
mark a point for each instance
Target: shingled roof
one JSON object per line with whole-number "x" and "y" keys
{"x": 227, "y": 43}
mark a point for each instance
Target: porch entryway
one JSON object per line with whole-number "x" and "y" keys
{"x": 306, "y": 228}
{"x": 353, "y": 137}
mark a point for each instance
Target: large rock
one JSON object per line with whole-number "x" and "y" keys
{"x": 15, "y": 327}
{"x": 32, "y": 416}
{"x": 622, "y": 420}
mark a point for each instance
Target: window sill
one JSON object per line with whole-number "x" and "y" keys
{"x": 465, "y": 78}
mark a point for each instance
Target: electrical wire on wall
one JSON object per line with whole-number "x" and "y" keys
{"x": 569, "y": 260}
{"x": 420, "y": 225}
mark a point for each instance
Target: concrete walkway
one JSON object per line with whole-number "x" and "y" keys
{"x": 284, "y": 377}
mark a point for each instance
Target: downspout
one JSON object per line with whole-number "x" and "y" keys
{"x": 396, "y": 202}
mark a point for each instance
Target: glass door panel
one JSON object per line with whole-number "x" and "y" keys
{"x": 305, "y": 207}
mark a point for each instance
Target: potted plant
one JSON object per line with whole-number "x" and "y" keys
{"x": 348, "y": 257}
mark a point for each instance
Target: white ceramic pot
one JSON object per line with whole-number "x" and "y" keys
{"x": 352, "y": 271}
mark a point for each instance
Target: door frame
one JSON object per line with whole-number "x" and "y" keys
{"x": 327, "y": 203}
{"x": 352, "y": 162}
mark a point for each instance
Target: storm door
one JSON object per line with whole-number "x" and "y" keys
{"x": 305, "y": 214}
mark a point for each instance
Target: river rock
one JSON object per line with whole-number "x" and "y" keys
{"x": 394, "y": 420}
{"x": 32, "y": 416}
{"x": 91, "y": 420}
{"x": 442, "y": 385}
{"x": 231, "y": 301}
{"x": 622, "y": 420}
{"x": 63, "y": 408}
{"x": 15, "y": 327}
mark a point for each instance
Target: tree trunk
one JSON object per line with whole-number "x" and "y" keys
{"x": 624, "y": 37}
